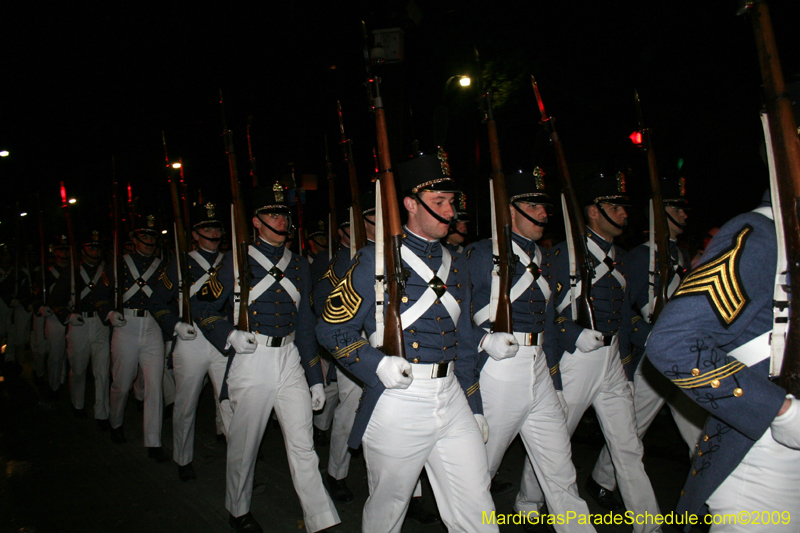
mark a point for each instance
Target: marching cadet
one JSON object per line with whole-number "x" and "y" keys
{"x": 136, "y": 341}
{"x": 713, "y": 341}
{"x": 423, "y": 411}
{"x": 518, "y": 392}
{"x": 457, "y": 234}
{"x": 54, "y": 331}
{"x": 87, "y": 335}
{"x": 193, "y": 356}
{"x": 591, "y": 363}
{"x": 20, "y": 301}
{"x": 650, "y": 389}
{"x": 273, "y": 366}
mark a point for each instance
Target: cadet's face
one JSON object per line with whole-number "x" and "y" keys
{"x": 344, "y": 235}
{"x": 145, "y": 243}
{"x": 422, "y": 223}
{"x": 525, "y": 227}
{"x": 602, "y": 226}
{"x": 202, "y": 236}
{"x": 61, "y": 254}
{"x": 91, "y": 253}
{"x": 680, "y": 216}
{"x": 278, "y": 221}
{"x": 455, "y": 238}
{"x": 369, "y": 228}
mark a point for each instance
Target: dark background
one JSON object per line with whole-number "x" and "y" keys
{"x": 84, "y": 83}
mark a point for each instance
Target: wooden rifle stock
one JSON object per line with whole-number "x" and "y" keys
{"x": 74, "y": 252}
{"x": 301, "y": 229}
{"x": 585, "y": 315}
{"x": 358, "y": 231}
{"x": 333, "y": 226}
{"x": 786, "y": 150}
{"x": 240, "y": 225}
{"x": 660, "y": 227}
{"x": 174, "y": 174}
{"x": 506, "y": 258}
{"x": 393, "y": 230}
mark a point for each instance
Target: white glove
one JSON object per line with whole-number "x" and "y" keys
{"x": 563, "y": 402}
{"x": 185, "y": 332}
{"x": 786, "y": 427}
{"x": 500, "y": 345}
{"x": 242, "y": 341}
{"x": 45, "y": 311}
{"x": 75, "y": 319}
{"x": 589, "y": 340}
{"x": 116, "y": 319}
{"x": 394, "y": 372}
{"x": 484, "y": 427}
{"x": 317, "y": 397}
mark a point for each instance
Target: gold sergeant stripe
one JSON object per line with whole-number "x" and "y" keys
{"x": 704, "y": 379}
{"x": 554, "y": 370}
{"x": 560, "y": 319}
{"x": 627, "y": 359}
{"x": 164, "y": 278}
{"x": 347, "y": 350}
{"x": 159, "y": 314}
{"x": 473, "y": 389}
{"x": 635, "y": 319}
{"x": 718, "y": 282}
{"x": 314, "y": 361}
{"x": 210, "y": 320}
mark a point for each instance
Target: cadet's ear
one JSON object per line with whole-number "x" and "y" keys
{"x": 410, "y": 205}
{"x": 256, "y": 222}
{"x": 592, "y": 212}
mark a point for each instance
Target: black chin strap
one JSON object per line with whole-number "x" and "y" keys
{"x": 273, "y": 230}
{"x": 677, "y": 224}
{"x": 453, "y": 230}
{"x": 430, "y": 211}
{"x": 530, "y": 218}
{"x": 608, "y": 218}
{"x": 368, "y": 221}
{"x": 136, "y": 236}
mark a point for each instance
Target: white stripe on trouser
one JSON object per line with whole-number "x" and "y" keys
{"x": 191, "y": 361}
{"x": 138, "y": 344}
{"x": 519, "y": 398}
{"x": 257, "y": 382}
{"x": 323, "y": 419}
{"x": 598, "y": 379}
{"x": 764, "y": 482}
{"x": 85, "y": 343}
{"x": 339, "y": 455}
{"x": 650, "y": 391}
{"x": 38, "y": 345}
{"x": 429, "y": 425}
{"x": 18, "y": 334}
{"x": 56, "y": 335}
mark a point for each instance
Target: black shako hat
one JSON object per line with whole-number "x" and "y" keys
{"x": 319, "y": 230}
{"x": 527, "y": 187}
{"x": 673, "y": 192}
{"x": 367, "y": 202}
{"x": 206, "y": 216}
{"x": 59, "y": 242}
{"x": 145, "y": 224}
{"x": 92, "y": 238}
{"x": 607, "y": 188}
{"x": 426, "y": 172}
{"x": 270, "y": 199}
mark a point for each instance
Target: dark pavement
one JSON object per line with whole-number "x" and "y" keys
{"x": 62, "y": 474}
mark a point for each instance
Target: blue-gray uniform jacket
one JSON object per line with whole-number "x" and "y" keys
{"x": 61, "y": 295}
{"x": 454, "y": 248}
{"x": 139, "y": 300}
{"x": 164, "y": 301}
{"x": 610, "y": 301}
{"x": 433, "y": 338}
{"x": 327, "y": 276}
{"x": 530, "y": 313}
{"x": 52, "y": 275}
{"x": 274, "y": 313}
{"x": 724, "y": 303}
{"x": 639, "y": 282}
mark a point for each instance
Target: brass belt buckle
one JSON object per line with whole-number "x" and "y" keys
{"x": 439, "y": 370}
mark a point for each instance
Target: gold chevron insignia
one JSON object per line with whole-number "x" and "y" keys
{"x": 554, "y": 370}
{"x": 473, "y": 389}
{"x": 344, "y": 302}
{"x": 719, "y": 281}
{"x": 347, "y": 350}
{"x": 710, "y": 377}
{"x": 167, "y": 283}
{"x": 212, "y": 285}
{"x": 330, "y": 274}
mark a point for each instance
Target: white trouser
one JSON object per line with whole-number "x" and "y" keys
{"x": 138, "y": 344}
{"x": 257, "y": 382}
{"x": 56, "y": 335}
{"x": 519, "y": 398}
{"x": 89, "y": 341}
{"x": 429, "y": 425}
{"x": 19, "y": 333}
{"x": 598, "y": 379}
{"x": 192, "y": 360}
{"x": 764, "y": 483}
{"x": 650, "y": 391}
{"x": 349, "y": 394}
{"x": 38, "y": 345}
{"x": 323, "y": 419}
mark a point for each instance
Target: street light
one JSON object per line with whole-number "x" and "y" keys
{"x": 72, "y": 200}
{"x": 463, "y": 81}
{"x": 23, "y": 214}
{"x": 4, "y": 153}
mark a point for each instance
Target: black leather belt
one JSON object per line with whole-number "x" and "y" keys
{"x": 89, "y": 314}
{"x": 136, "y": 312}
{"x": 607, "y": 340}
{"x": 437, "y": 370}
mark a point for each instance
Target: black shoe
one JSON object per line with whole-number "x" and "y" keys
{"x": 221, "y": 438}
{"x": 103, "y": 424}
{"x": 140, "y": 406}
{"x": 79, "y": 413}
{"x": 338, "y": 489}
{"x": 186, "y": 472}
{"x": 501, "y": 487}
{"x": 419, "y": 514}
{"x": 320, "y": 437}
{"x": 157, "y": 454}
{"x": 602, "y": 496}
{"x": 245, "y": 524}
{"x": 118, "y": 436}
{"x": 168, "y": 411}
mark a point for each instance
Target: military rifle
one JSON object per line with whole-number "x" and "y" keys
{"x": 333, "y": 244}
{"x": 357, "y": 229}
{"x": 119, "y": 271}
{"x": 253, "y": 174}
{"x": 660, "y": 227}
{"x": 574, "y": 215}
{"x": 240, "y": 226}
{"x": 301, "y": 236}
{"x": 75, "y": 261}
{"x": 505, "y": 259}
{"x": 42, "y": 251}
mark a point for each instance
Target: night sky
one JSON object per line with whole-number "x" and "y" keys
{"x": 84, "y": 83}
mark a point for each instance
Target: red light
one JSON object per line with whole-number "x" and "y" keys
{"x": 636, "y": 138}
{"x": 130, "y": 194}
{"x": 63, "y": 193}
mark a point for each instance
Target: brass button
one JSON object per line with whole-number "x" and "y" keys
{"x": 682, "y": 493}
{"x": 715, "y": 384}
{"x": 335, "y": 348}
{"x": 738, "y": 392}
{"x": 695, "y": 371}
{"x": 458, "y": 285}
{"x": 438, "y": 319}
{"x": 458, "y": 300}
{"x": 443, "y": 333}
{"x": 277, "y": 314}
{"x": 415, "y": 360}
{"x": 404, "y": 299}
{"x": 255, "y": 312}
{"x": 437, "y": 302}
{"x": 357, "y": 359}
{"x": 430, "y": 256}
{"x": 415, "y": 345}
{"x": 705, "y": 438}
{"x": 444, "y": 349}
{"x": 699, "y": 453}
{"x": 694, "y": 472}
{"x": 278, "y": 290}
